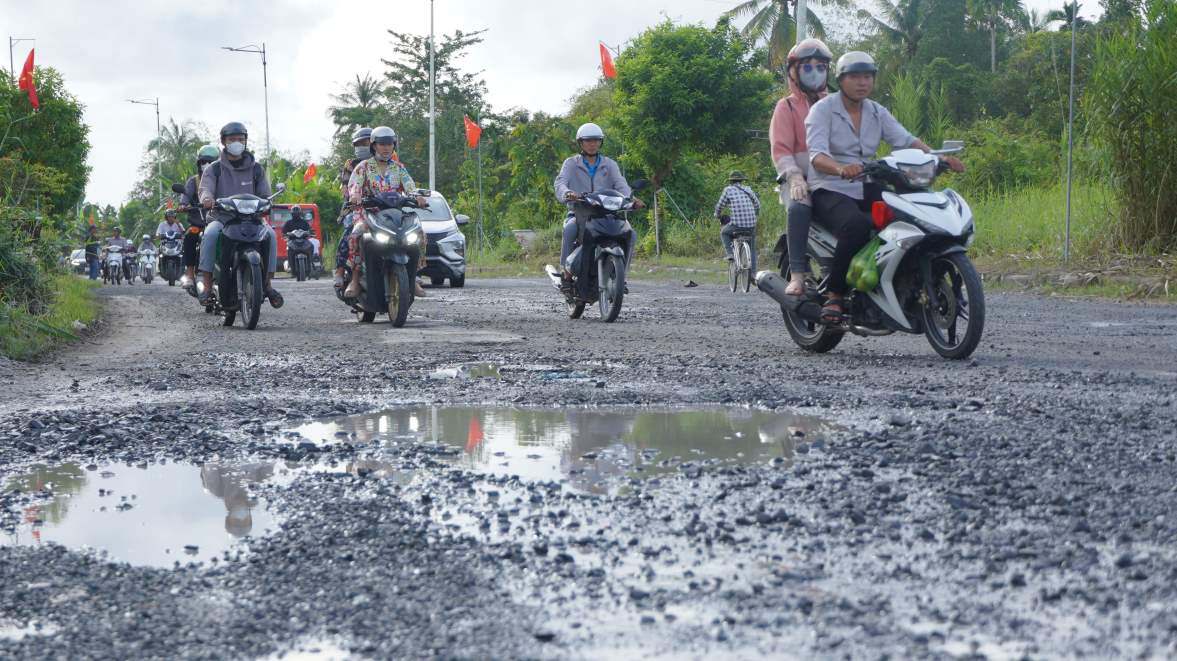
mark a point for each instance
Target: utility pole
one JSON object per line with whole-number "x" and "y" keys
{"x": 1070, "y": 137}
{"x": 253, "y": 48}
{"x": 432, "y": 107}
{"x": 11, "y": 62}
{"x": 802, "y": 20}
{"x": 158, "y": 143}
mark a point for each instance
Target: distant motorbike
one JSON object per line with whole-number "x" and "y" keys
{"x": 243, "y": 281}
{"x": 113, "y": 272}
{"x": 170, "y": 265}
{"x": 300, "y": 253}
{"x": 920, "y": 278}
{"x": 599, "y": 261}
{"x": 391, "y": 252}
{"x": 146, "y": 265}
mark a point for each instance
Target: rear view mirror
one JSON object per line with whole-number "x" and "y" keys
{"x": 462, "y": 219}
{"x": 639, "y": 184}
{"x": 178, "y": 188}
{"x": 953, "y": 144}
{"x": 280, "y": 189}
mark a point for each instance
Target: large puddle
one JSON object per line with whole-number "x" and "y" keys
{"x": 592, "y": 449}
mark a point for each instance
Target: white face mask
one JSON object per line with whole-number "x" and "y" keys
{"x": 235, "y": 148}
{"x": 813, "y": 81}
{"x": 363, "y": 152}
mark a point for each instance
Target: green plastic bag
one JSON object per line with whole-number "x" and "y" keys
{"x": 863, "y": 274}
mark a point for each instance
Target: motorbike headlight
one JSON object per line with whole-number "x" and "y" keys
{"x": 247, "y": 207}
{"x": 918, "y": 176}
{"x": 411, "y": 237}
{"x": 381, "y": 237}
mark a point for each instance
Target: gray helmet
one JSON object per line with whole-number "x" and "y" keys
{"x": 233, "y": 128}
{"x": 855, "y": 61}
{"x": 362, "y": 133}
{"x": 383, "y": 135}
{"x": 590, "y": 131}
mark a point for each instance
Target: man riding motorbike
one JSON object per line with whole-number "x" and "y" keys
{"x": 842, "y": 131}
{"x": 146, "y": 243}
{"x": 235, "y": 172}
{"x": 808, "y": 73}
{"x": 190, "y": 202}
{"x": 116, "y": 239}
{"x": 588, "y": 172}
{"x": 169, "y": 224}
{"x": 361, "y": 141}
{"x": 380, "y": 174}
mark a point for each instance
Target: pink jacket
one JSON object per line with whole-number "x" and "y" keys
{"x": 790, "y": 155}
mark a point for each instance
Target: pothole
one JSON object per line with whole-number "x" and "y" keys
{"x": 590, "y": 449}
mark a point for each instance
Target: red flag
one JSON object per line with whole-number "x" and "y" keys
{"x": 26, "y": 81}
{"x": 168, "y": 203}
{"x": 473, "y": 132}
{"x": 607, "y": 67}
{"x": 91, "y": 217}
{"x": 474, "y": 436}
{"x": 310, "y": 174}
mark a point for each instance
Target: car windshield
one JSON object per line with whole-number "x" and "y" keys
{"x": 78, "y": 254}
{"x": 278, "y": 217}
{"x": 438, "y": 210}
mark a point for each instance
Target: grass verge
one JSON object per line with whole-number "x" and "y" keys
{"x": 24, "y": 336}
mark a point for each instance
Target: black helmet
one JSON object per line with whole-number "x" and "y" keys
{"x": 233, "y": 128}
{"x": 170, "y": 213}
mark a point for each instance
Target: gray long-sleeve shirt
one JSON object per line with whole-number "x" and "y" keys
{"x": 829, "y": 131}
{"x": 574, "y": 177}
{"x": 236, "y": 177}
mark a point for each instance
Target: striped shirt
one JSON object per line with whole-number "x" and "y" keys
{"x": 742, "y": 204}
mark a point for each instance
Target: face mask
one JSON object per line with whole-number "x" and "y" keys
{"x": 235, "y": 148}
{"x": 383, "y": 159}
{"x": 202, "y": 167}
{"x": 813, "y": 80}
{"x": 364, "y": 152}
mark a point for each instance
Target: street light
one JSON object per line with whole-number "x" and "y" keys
{"x": 432, "y": 107}
{"x": 11, "y": 63}
{"x": 251, "y": 48}
{"x": 158, "y": 143}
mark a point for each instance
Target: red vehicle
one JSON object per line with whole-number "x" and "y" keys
{"x": 280, "y": 213}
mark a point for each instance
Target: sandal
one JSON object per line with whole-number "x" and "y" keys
{"x": 833, "y": 312}
{"x": 275, "y": 298}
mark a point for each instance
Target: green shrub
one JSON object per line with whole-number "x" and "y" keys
{"x": 1003, "y": 156}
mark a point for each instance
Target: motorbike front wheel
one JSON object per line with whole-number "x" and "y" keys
{"x": 611, "y": 275}
{"x": 249, "y": 290}
{"x": 399, "y": 290}
{"x": 300, "y": 268}
{"x": 959, "y": 300}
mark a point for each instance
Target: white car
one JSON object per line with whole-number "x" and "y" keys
{"x": 446, "y": 251}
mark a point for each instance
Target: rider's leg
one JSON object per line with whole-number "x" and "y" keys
{"x": 800, "y": 216}
{"x": 355, "y": 256}
{"x": 208, "y": 253}
{"x": 725, "y": 235}
{"x": 188, "y": 255}
{"x": 341, "y": 251}
{"x": 850, "y": 224}
{"x": 567, "y": 242}
{"x": 271, "y": 267}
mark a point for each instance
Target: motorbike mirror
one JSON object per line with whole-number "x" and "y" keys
{"x": 462, "y": 219}
{"x": 639, "y": 184}
{"x": 950, "y": 147}
{"x": 178, "y": 188}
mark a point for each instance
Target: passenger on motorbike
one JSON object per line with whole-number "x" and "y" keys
{"x": 190, "y": 202}
{"x": 361, "y": 141}
{"x": 234, "y": 173}
{"x": 588, "y": 172}
{"x": 808, "y": 73}
{"x": 382, "y": 173}
{"x": 842, "y": 131}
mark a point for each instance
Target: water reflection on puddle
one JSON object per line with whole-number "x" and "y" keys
{"x": 590, "y": 447}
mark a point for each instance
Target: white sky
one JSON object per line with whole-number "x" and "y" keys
{"x": 536, "y": 55}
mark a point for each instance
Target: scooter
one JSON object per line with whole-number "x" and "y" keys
{"x": 114, "y": 265}
{"x": 147, "y": 265}
{"x": 238, "y": 276}
{"x": 299, "y": 253}
{"x": 926, "y": 282}
{"x": 391, "y": 253}
{"x": 170, "y": 265}
{"x": 599, "y": 261}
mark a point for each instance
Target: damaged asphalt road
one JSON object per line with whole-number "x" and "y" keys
{"x": 1018, "y": 504}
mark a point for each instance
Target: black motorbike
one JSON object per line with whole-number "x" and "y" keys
{"x": 598, "y": 262}
{"x": 391, "y": 252}
{"x": 300, "y": 253}
{"x": 239, "y": 270}
{"x": 170, "y": 267}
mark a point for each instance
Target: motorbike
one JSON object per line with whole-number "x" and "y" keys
{"x": 240, "y": 275}
{"x": 170, "y": 264}
{"x": 146, "y": 265}
{"x": 926, "y": 283}
{"x": 299, "y": 253}
{"x": 130, "y": 264}
{"x": 391, "y": 253}
{"x": 599, "y": 261}
{"x": 114, "y": 265}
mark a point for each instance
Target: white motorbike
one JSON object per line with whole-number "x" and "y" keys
{"x": 926, "y": 282}
{"x": 147, "y": 265}
{"x": 114, "y": 265}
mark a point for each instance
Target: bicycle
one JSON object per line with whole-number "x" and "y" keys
{"x": 741, "y": 262}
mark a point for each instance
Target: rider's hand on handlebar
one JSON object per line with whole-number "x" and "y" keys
{"x": 571, "y": 196}
{"x": 207, "y": 204}
{"x": 954, "y": 163}
{"x": 422, "y": 202}
{"x": 850, "y": 171}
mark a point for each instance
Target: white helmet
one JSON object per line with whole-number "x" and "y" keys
{"x": 384, "y": 135}
{"x": 146, "y": 237}
{"x": 855, "y": 61}
{"x": 589, "y": 131}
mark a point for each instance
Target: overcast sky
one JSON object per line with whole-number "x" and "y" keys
{"x": 536, "y": 54}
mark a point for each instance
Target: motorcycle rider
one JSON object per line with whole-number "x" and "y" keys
{"x": 146, "y": 243}
{"x": 169, "y": 224}
{"x": 235, "y": 172}
{"x": 380, "y": 174}
{"x": 361, "y": 141}
{"x": 587, "y": 172}
{"x": 842, "y": 131}
{"x": 807, "y": 69}
{"x": 116, "y": 239}
{"x": 190, "y": 201}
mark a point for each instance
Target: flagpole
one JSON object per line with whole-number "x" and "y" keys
{"x": 11, "y": 62}
{"x": 481, "y": 236}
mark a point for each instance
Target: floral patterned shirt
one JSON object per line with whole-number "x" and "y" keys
{"x": 366, "y": 179}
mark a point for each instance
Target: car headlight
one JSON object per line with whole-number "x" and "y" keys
{"x": 919, "y": 176}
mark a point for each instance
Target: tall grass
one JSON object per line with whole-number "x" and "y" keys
{"x": 1032, "y": 220}
{"x": 24, "y": 335}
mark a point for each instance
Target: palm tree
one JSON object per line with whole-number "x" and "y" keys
{"x": 991, "y": 15}
{"x": 177, "y": 143}
{"x": 772, "y": 21}
{"x": 357, "y": 105}
{"x": 1066, "y": 14}
{"x": 901, "y": 23}
{"x": 1036, "y": 21}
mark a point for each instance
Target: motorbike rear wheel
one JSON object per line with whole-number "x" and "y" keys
{"x": 611, "y": 276}
{"x": 746, "y": 264}
{"x": 399, "y": 290}
{"x": 959, "y": 298}
{"x": 249, "y": 291}
{"x": 810, "y": 336}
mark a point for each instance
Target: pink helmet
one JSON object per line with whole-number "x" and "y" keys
{"x": 810, "y": 48}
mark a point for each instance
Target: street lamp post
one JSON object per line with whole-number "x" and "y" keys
{"x": 158, "y": 143}
{"x": 12, "y": 63}
{"x": 265, "y": 86}
{"x": 432, "y": 107}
